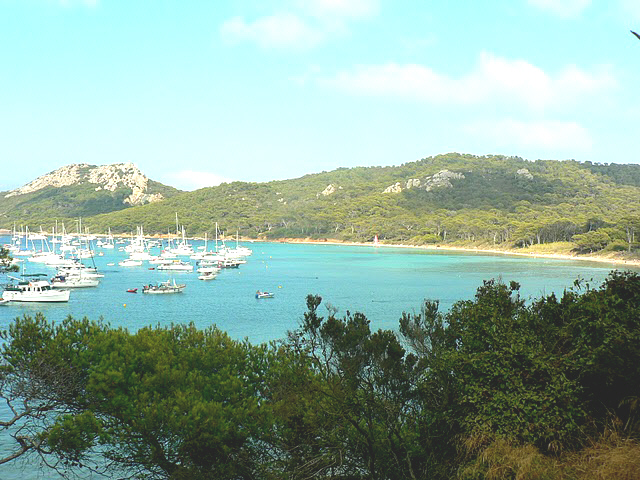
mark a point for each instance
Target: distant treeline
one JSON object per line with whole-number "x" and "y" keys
{"x": 494, "y": 388}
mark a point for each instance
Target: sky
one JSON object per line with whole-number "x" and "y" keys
{"x": 200, "y": 92}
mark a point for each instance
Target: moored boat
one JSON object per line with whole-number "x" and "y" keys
{"x": 130, "y": 263}
{"x": 164, "y": 287}
{"x": 207, "y": 276}
{"x": 77, "y": 280}
{"x": 260, "y": 294}
{"x": 176, "y": 265}
{"x": 35, "y": 291}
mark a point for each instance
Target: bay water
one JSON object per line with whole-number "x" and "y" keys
{"x": 381, "y": 282}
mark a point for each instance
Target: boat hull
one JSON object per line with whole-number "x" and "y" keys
{"x": 52, "y": 297}
{"x": 162, "y": 291}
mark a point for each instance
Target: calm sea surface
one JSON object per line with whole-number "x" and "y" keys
{"x": 379, "y": 282}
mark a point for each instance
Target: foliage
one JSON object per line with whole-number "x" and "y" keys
{"x": 65, "y": 204}
{"x": 496, "y": 387}
{"x": 162, "y": 403}
{"x": 5, "y": 261}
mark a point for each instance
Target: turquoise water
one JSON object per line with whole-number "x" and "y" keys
{"x": 380, "y": 282}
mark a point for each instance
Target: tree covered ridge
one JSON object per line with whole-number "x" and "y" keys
{"x": 493, "y": 205}
{"x": 496, "y": 201}
{"x": 335, "y": 399}
{"x": 46, "y": 205}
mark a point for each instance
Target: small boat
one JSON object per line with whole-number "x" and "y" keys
{"x": 132, "y": 290}
{"x": 176, "y": 265}
{"x": 130, "y": 263}
{"x": 207, "y": 276}
{"x": 3, "y": 301}
{"x": 228, "y": 263}
{"x": 260, "y": 294}
{"x": 164, "y": 287}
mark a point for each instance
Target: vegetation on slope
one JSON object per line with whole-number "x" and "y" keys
{"x": 494, "y": 388}
{"x": 495, "y": 201}
{"x": 66, "y": 204}
{"x": 501, "y": 202}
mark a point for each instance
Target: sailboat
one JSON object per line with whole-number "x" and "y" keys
{"x": 183, "y": 247}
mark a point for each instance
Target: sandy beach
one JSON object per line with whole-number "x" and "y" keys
{"x": 612, "y": 260}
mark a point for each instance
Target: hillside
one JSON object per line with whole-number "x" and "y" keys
{"x": 79, "y": 190}
{"x": 453, "y": 198}
{"x": 495, "y": 201}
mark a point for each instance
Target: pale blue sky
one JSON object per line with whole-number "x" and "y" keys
{"x": 195, "y": 92}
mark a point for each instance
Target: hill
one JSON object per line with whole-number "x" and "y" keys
{"x": 453, "y": 198}
{"x": 460, "y": 199}
{"x": 79, "y": 190}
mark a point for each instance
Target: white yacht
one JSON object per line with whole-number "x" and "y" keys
{"x": 35, "y": 291}
{"x": 176, "y": 265}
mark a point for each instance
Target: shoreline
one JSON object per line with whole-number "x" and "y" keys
{"x": 634, "y": 263}
{"x": 453, "y": 248}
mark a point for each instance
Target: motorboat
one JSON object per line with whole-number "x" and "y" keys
{"x": 228, "y": 263}
{"x": 34, "y": 291}
{"x": 208, "y": 269}
{"x": 260, "y": 294}
{"x": 207, "y": 276}
{"x": 164, "y": 287}
{"x": 176, "y": 265}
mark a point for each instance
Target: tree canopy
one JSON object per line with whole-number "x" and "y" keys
{"x": 334, "y": 399}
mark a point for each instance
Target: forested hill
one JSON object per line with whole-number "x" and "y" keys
{"x": 79, "y": 190}
{"x": 496, "y": 200}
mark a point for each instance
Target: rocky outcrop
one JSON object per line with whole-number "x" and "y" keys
{"x": 105, "y": 177}
{"x": 442, "y": 179}
{"x": 413, "y": 183}
{"x": 395, "y": 188}
{"x": 523, "y": 172}
{"x": 331, "y": 188}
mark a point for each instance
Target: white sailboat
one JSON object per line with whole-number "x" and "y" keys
{"x": 183, "y": 247}
{"x": 75, "y": 280}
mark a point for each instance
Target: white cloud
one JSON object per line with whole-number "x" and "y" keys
{"x": 193, "y": 180}
{"x": 494, "y": 79}
{"x": 562, "y": 8}
{"x": 280, "y": 30}
{"x": 340, "y": 8}
{"x": 306, "y": 24}
{"x": 550, "y": 136}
